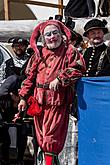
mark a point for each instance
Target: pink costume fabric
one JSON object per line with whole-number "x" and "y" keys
{"x": 68, "y": 65}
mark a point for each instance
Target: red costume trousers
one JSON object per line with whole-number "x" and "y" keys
{"x": 51, "y": 128}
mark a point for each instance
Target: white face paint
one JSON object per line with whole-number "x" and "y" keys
{"x": 52, "y": 37}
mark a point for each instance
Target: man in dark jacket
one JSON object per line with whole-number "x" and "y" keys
{"x": 97, "y": 55}
{"x": 14, "y": 75}
{"x": 15, "y": 66}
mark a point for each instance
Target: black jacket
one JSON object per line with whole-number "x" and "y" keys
{"x": 14, "y": 77}
{"x": 105, "y": 66}
{"x": 76, "y": 8}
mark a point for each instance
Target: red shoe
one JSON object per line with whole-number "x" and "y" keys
{"x": 49, "y": 159}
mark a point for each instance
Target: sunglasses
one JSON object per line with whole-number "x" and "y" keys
{"x": 54, "y": 32}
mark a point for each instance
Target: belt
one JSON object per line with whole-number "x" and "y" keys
{"x": 45, "y": 86}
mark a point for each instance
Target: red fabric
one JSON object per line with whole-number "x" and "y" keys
{"x": 48, "y": 159}
{"x": 40, "y": 28}
{"x": 60, "y": 26}
{"x": 65, "y": 63}
{"x": 34, "y": 108}
{"x": 51, "y": 128}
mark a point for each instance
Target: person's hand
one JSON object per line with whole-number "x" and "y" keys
{"x": 22, "y": 105}
{"x": 54, "y": 85}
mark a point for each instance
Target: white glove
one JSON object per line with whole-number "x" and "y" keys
{"x": 54, "y": 85}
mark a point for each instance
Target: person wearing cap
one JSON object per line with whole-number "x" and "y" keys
{"x": 55, "y": 70}
{"x": 15, "y": 66}
{"x": 14, "y": 75}
{"x": 97, "y": 55}
{"x": 19, "y": 59}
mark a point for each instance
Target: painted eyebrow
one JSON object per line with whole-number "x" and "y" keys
{"x": 53, "y": 31}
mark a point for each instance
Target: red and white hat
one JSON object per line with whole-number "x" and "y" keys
{"x": 39, "y": 30}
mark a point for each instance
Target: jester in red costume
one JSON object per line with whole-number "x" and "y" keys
{"x": 53, "y": 73}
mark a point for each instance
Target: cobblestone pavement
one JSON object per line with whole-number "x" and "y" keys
{"x": 69, "y": 154}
